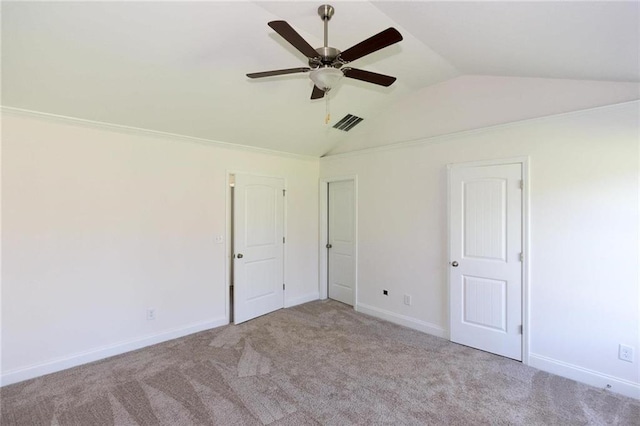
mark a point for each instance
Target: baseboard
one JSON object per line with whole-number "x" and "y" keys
{"x": 77, "y": 359}
{"x": 300, "y": 300}
{"x": 425, "y": 327}
{"x": 584, "y": 375}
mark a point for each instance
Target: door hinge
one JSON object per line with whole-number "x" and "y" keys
{"x": 283, "y": 286}
{"x": 521, "y": 257}
{"x": 284, "y": 192}
{"x": 520, "y": 329}
{"x": 521, "y": 184}
{"x": 282, "y": 240}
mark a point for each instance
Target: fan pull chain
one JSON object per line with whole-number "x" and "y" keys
{"x": 327, "y": 118}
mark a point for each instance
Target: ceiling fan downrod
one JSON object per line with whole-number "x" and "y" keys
{"x": 326, "y": 55}
{"x": 326, "y": 11}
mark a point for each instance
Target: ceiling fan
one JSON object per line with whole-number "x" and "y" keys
{"x": 326, "y": 64}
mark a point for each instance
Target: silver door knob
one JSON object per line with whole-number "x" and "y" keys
{"x": 454, "y": 264}
{"x": 240, "y": 256}
{"x": 328, "y": 245}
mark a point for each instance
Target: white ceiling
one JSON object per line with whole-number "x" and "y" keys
{"x": 180, "y": 67}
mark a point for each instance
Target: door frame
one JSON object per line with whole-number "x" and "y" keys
{"x": 524, "y": 162}
{"x": 229, "y": 234}
{"x": 323, "y": 258}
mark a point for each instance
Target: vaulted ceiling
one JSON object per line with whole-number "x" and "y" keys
{"x": 179, "y": 67}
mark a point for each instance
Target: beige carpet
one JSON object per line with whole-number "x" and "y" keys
{"x": 319, "y": 363}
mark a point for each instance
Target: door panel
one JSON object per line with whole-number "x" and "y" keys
{"x": 259, "y": 249}
{"x": 484, "y": 302}
{"x": 342, "y": 239}
{"x": 486, "y": 242}
{"x": 260, "y": 215}
{"x": 485, "y": 219}
{"x": 261, "y": 274}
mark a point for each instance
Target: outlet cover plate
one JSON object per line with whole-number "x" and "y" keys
{"x": 625, "y": 353}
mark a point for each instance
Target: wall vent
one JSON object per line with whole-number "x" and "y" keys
{"x": 347, "y": 123}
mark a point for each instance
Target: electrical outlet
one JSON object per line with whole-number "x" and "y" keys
{"x": 385, "y": 292}
{"x": 625, "y": 353}
{"x": 407, "y": 300}
{"x": 151, "y": 314}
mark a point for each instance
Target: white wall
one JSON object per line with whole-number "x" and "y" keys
{"x": 584, "y": 214}
{"x": 98, "y": 225}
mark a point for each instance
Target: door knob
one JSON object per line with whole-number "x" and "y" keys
{"x": 454, "y": 264}
{"x": 240, "y": 256}
{"x": 328, "y": 245}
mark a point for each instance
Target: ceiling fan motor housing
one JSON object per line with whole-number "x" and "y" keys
{"x": 328, "y": 57}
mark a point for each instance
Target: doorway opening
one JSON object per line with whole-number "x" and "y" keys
{"x": 230, "y": 254}
{"x": 338, "y": 245}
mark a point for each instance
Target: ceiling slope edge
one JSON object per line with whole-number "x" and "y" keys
{"x": 428, "y": 140}
{"x": 130, "y": 130}
{"x": 477, "y": 101}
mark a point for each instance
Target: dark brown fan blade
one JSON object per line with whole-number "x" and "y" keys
{"x": 372, "y": 44}
{"x": 369, "y": 77}
{"x": 289, "y": 34}
{"x": 317, "y": 93}
{"x": 277, "y": 72}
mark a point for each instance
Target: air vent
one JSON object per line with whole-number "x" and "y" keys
{"x": 347, "y": 123}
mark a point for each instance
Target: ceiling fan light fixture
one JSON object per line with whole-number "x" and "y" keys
{"x": 326, "y": 62}
{"x": 325, "y": 78}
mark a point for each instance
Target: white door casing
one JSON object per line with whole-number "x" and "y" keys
{"x": 341, "y": 238}
{"x": 258, "y": 245}
{"x": 485, "y": 280}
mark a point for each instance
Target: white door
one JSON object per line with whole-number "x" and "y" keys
{"x": 485, "y": 280}
{"x": 258, "y": 245}
{"x": 341, "y": 242}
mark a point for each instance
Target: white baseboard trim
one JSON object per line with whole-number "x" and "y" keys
{"x": 300, "y": 300}
{"x": 53, "y": 366}
{"x": 425, "y": 327}
{"x": 584, "y": 375}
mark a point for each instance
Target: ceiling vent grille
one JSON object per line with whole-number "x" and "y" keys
{"x": 347, "y": 123}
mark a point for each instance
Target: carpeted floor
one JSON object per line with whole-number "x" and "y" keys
{"x": 318, "y": 363}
